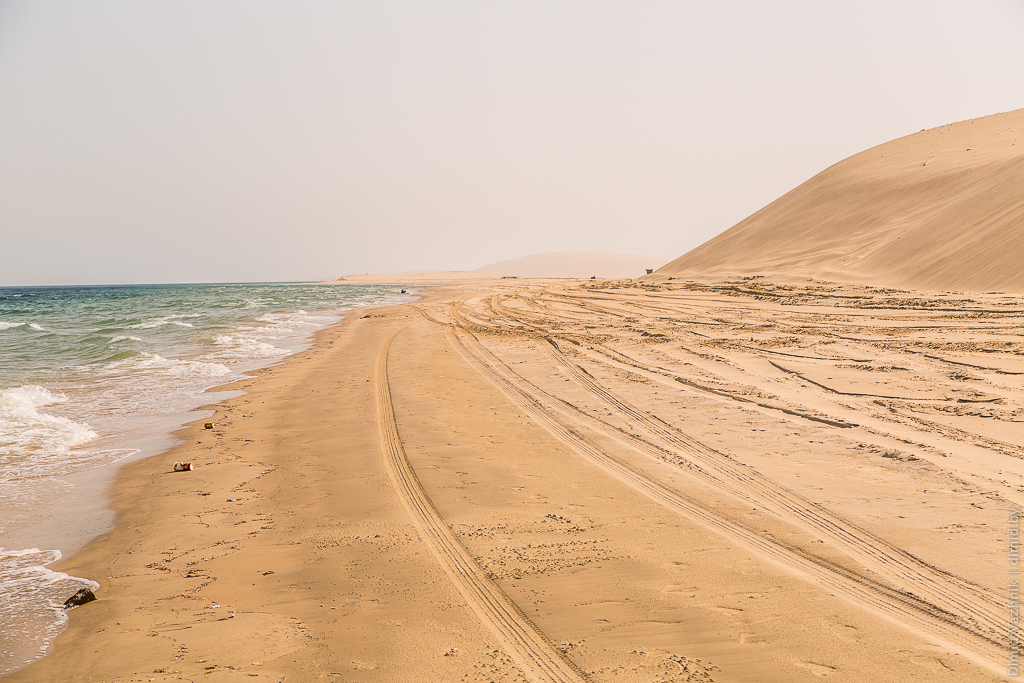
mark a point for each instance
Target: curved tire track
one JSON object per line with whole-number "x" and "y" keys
{"x": 948, "y": 591}
{"x": 904, "y": 608}
{"x": 515, "y": 633}
{"x": 952, "y": 593}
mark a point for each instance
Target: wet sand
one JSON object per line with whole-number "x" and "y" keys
{"x": 540, "y": 481}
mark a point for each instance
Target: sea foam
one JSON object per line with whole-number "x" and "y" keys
{"x": 24, "y": 428}
{"x": 154, "y": 364}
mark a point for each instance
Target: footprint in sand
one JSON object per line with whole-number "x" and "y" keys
{"x": 818, "y": 669}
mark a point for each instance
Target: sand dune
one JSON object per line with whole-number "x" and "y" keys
{"x": 941, "y": 209}
{"x": 575, "y": 265}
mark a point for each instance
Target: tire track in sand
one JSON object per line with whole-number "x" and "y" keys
{"x": 515, "y": 633}
{"x": 982, "y": 610}
{"x": 903, "y": 569}
{"x": 901, "y": 607}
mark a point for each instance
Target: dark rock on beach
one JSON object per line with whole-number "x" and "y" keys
{"x": 80, "y": 598}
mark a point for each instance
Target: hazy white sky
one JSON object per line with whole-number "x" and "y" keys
{"x": 241, "y": 141}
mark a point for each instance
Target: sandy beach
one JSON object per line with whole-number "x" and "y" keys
{"x": 511, "y": 342}
{"x": 608, "y": 481}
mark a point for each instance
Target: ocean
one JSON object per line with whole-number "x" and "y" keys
{"x": 94, "y": 376}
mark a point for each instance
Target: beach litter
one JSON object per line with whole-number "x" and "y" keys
{"x": 210, "y": 425}
{"x": 182, "y": 467}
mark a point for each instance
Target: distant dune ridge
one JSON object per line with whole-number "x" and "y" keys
{"x": 419, "y": 278}
{"x": 575, "y": 265}
{"x": 940, "y": 209}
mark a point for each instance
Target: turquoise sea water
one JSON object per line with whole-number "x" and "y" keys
{"x": 90, "y": 374}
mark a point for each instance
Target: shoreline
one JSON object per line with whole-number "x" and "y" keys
{"x": 290, "y": 552}
{"x": 78, "y": 559}
{"x": 81, "y": 510}
{"x": 88, "y": 560}
{"x": 144, "y": 428}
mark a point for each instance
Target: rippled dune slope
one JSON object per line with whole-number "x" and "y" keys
{"x": 939, "y": 209}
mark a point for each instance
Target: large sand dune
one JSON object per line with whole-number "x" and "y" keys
{"x": 940, "y": 209}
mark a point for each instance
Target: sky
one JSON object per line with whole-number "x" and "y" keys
{"x": 241, "y": 141}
